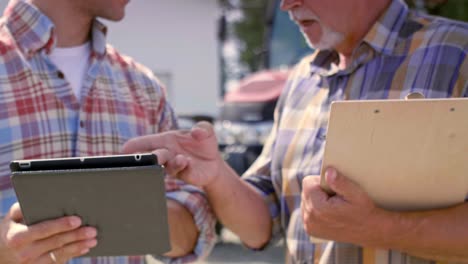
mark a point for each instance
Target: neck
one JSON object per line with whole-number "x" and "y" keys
{"x": 71, "y": 26}
{"x": 369, "y": 11}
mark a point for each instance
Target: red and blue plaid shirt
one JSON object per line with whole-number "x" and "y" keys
{"x": 40, "y": 117}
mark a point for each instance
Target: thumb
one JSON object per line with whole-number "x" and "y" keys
{"x": 344, "y": 187}
{"x": 15, "y": 213}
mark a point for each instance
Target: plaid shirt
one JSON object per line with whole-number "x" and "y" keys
{"x": 403, "y": 52}
{"x": 40, "y": 117}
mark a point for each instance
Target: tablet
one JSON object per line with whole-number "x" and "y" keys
{"x": 122, "y": 196}
{"x": 406, "y": 154}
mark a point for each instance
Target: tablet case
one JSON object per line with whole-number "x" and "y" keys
{"x": 407, "y": 155}
{"x": 127, "y": 205}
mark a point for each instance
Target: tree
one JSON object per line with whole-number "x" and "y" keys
{"x": 249, "y": 30}
{"x": 454, "y": 9}
{"x": 252, "y": 30}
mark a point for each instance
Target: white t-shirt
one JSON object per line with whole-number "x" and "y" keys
{"x": 74, "y": 63}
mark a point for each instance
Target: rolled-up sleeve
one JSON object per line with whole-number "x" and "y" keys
{"x": 259, "y": 176}
{"x": 195, "y": 201}
{"x": 262, "y": 175}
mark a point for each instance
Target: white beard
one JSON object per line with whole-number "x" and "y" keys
{"x": 329, "y": 38}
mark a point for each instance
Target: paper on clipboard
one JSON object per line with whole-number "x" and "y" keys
{"x": 406, "y": 154}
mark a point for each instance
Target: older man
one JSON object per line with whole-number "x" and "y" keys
{"x": 366, "y": 49}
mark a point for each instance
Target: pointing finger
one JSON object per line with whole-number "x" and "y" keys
{"x": 146, "y": 143}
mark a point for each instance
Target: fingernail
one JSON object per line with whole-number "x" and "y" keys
{"x": 75, "y": 221}
{"x": 91, "y": 233}
{"x": 91, "y": 243}
{"x": 330, "y": 174}
{"x": 84, "y": 251}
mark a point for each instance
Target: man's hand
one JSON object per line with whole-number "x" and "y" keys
{"x": 349, "y": 216}
{"x": 191, "y": 156}
{"x": 54, "y": 241}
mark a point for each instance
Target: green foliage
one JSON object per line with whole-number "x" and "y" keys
{"x": 251, "y": 31}
{"x": 454, "y": 9}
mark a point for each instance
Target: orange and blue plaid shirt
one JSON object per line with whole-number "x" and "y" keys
{"x": 403, "y": 52}
{"x": 40, "y": 117}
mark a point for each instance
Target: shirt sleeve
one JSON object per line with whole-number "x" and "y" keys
{"x": 259, "y": 175}
{"x": 194, "y": 200}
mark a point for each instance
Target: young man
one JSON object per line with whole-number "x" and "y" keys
{"x": 366, "y": 49}
{"x": 64, "y": 92}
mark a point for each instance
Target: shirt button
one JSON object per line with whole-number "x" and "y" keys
{"x": 81, "y": 123}
{"x": 60, "y": 75}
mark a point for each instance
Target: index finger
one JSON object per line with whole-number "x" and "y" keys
{"x": 22, "y": 235}
{"x": 313, "y": 197}
{"x": 146, "y": 143}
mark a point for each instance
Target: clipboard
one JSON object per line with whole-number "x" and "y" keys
{"x": 406, "y": 154}
{"x": 123, "y": 196}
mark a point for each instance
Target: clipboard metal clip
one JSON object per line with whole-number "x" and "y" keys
{"x": 414, "y": 95}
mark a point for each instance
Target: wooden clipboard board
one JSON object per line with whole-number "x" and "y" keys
{"x": 406, "y": 154}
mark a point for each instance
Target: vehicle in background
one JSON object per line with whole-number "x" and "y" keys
{"x": 246, "y": 112}
{"x": 246, "y": 117}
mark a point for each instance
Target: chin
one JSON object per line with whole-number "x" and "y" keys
{"x": 115, "y": 16}
{"x": 313, "y": 44}
{"x": 311, "y": 40}
{"x": 328, "y": 41}
{"x": 118, "y": 18}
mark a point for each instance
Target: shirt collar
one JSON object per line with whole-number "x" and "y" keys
{"x": 384, "y": 34}
{"x": 381, "y": 38}
{"x": 34, "y": 31}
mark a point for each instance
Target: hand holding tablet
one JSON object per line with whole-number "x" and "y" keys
{"x": 122, "y": 196}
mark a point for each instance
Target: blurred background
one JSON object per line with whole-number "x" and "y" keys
{"x": 226, "y": 61}
{"x": 201, "y": 49}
